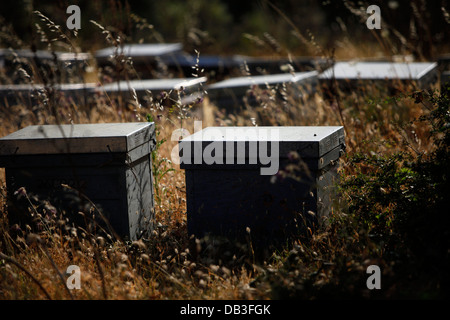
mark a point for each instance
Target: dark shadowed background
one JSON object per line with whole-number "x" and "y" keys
{"x": 243, "y": 27}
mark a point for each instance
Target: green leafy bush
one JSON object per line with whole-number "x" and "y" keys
{"x": 402, "y": 200}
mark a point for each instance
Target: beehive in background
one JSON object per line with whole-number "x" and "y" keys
{"x": 391, "y": 75}
{"x": 55, "y": 67}
{"x": 235, "y": 93}
{"x": 175, "y": 90}
{"x": 145, "y": 59}
{"x": 30, "y": 95}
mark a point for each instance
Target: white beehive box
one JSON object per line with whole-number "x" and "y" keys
{"x": 270, "y": 65}
{"x": 226, "y": 196}
{"x": 213, "y": 66}
{"x": 108, "y": 163}
{"x": 140, "y": 51}
{"x": 30, "y": 95}
{"x": 59, "y": 67}
{"x": 351, "y": 74}
{"x": 231, "y": 92}
{"x": 184, "y": 91}
{"x": 145, "y": 57}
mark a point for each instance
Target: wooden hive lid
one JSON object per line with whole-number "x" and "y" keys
{"x": 77, "y": 138}
{"x": 310, "y": 142}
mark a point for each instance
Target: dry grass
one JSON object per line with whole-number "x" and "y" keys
{"x": 170, "y": 265}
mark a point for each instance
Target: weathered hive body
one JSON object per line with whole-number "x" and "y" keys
{"x": 31, "y": 95}
{"x": 214, "y": 67}
{"x": 226, "y": 196}
{"x": 146, "y": 59}
{"x": 148, "y": 91}
{"x": 218, "y": 67}
{"x": 58, "y": 67}
{"x": 109, "y": 164}
{"x": 350, "y": 75}
{"x": 230, "y": 93}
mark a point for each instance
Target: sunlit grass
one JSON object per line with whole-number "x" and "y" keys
{"x": 171, "y": 265}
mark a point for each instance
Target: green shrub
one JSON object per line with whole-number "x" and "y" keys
{"x": 402, "y": 200}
